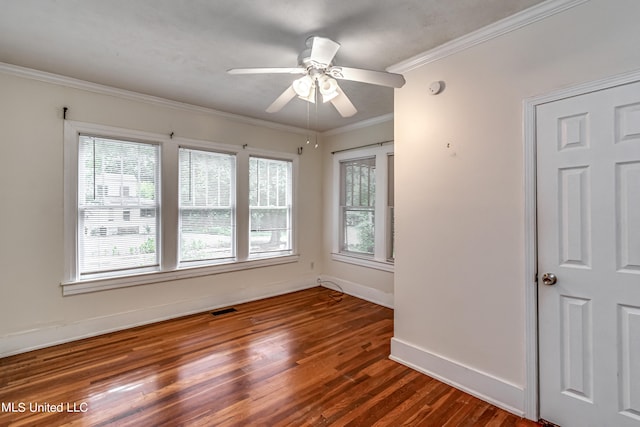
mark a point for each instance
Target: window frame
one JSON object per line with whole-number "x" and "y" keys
{"x": 380, "y": 259}
{"x": 168, "y": 214}
{"x": 290, "y": 208}
{"x": 114, "y": 216}
{"x": 233, "y": 208}
{"x": 346, "y": 208}
{"x": 390, "y": 210}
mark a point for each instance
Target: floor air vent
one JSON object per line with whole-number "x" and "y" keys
{"x": 223, "y": 311}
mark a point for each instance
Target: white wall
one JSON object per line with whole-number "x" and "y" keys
{"x": 459, "y": 278}
{"x": 33, "y": 312}
{"x": 368, "y": 283}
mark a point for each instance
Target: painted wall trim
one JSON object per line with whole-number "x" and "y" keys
{"x": 83, "y": 287}
{"x": 358, "y": 290}
{"x": 34, "y": 339}
{"x": 504, "y": 26}
{"x": 359, "y": 125}
{"x": 70, "y": 82}
{"x": 363, "y": 262}
{"x": 479, "y": 384}
{"x": 531, "y": 409}
{"x": 531, "y": 291}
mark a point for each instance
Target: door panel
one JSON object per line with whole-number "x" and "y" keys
{"x": 576, "y": 357}
{"x": 588, "y": 190}
{"x": 628, "y": 216}
{"x": 574, "y": 188}
{"x": 629, "y": 321}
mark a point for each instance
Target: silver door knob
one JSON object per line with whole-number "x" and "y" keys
{"x": 549, "y": 279}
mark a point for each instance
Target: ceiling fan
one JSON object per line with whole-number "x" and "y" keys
{"x": 319, "y": 75}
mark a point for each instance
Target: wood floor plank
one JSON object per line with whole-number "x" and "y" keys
{"x": 301, "y": 359}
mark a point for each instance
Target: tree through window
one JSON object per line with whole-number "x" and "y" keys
{"x": 357, "y": 205}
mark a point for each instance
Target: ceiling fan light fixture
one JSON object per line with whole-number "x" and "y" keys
{"x": 311, "y": 97}
{"x": 303, "y": 86}
{"x": 328, "y": 88}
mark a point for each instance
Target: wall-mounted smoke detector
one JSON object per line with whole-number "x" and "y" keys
{"x": 436, "y": 87}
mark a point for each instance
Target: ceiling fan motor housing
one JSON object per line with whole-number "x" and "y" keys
{"x": 304, "y": 60}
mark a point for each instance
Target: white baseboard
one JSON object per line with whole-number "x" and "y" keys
{"x": 479, "y": 384}
{"x": 34, "y": 339}
{"x": 357, "y": 290}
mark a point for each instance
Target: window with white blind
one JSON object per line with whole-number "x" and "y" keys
{"x": 144, "y": 208}
{"x": 270, "y": 204}
{"x": 391, "y": 230}
{"x": 118, "y": 206}
{"x": 207, "y": 199}
{"x": 363, "y": 207}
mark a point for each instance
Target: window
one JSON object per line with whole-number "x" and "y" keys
{"x": 107, "y": 241}
{"x": 391, "y": 230}
{"x": 207, "y": 226}
{"x": 144, "y": 208}
{"x": 363, "y": 213}
{"x": 270, "y": 206}
{"x": 357, "y": 205}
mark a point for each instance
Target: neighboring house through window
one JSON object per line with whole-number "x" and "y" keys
{"x": 107, "y": 244}
{"x": 137, "y": 202}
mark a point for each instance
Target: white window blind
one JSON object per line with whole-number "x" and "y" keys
{"x": 357, "y": 205}
{"x": 118, "y": 206}
{"x": 270, "y": 202}
{"x": 391, "y": 230}
{"x": 207, "y": 208}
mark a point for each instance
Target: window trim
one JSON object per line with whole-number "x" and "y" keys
{"x": 344, "y": 208}
{"x": 94, "y": 285}
{"x": 205, "y": 262}
{"x": 390, "y": 210}
{"x": 126, "y": 209}
{"x": 169, "y": 212}
{"x": 380, "y": 259}
{"x": 292, "y": 212}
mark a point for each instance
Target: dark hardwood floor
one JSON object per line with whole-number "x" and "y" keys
{"x": 302, "y": 359}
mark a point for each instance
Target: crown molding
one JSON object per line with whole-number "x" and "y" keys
{"x": 359, "y": 125}
{"x": 71, "y": 82}
{"x": 491, "y": 31}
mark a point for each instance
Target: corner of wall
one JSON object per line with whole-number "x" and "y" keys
{"x": 486, "y": 387}
{"x": 358, "y": 290}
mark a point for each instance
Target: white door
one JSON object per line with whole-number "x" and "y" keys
{"x": 588, "y": 190}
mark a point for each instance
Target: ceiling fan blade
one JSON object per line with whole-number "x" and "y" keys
{"x": 282, "y": 100}
{"x": 379, "y": 78}
{"x": 296, "y": 70}
{"x": 343, "y": 104}
{"x": 323, "y": 50}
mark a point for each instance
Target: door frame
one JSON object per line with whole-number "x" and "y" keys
{"x": 532, "y": 378}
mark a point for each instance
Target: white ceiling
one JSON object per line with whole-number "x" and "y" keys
{"x": 181, "y": 49}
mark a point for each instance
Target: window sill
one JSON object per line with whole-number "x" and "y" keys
{"x": 364, "y": 262}
{"x": 95, "y": 285}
